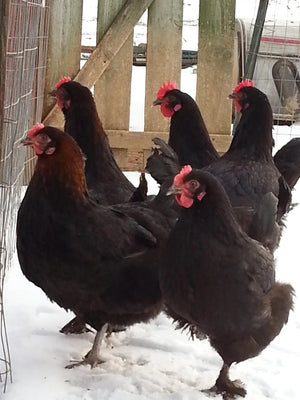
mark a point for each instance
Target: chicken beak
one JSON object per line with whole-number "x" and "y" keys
{"x": 52, "y": 93}
{"x": 231, "y": 96}
{"x": 26, "y": 141}
{"x": 157, "y": 102}
{"x": 174, "y": 189}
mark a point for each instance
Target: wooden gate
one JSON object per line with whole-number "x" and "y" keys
{"x": 109, "y": 67}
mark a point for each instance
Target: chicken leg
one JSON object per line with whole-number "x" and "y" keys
{"x": 92, "y": 358}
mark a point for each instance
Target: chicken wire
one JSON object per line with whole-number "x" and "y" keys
{"x": 27, "y": 37}
{"x": 278, "y": 63}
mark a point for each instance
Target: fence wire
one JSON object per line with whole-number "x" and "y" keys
{"x": 28, "y": 24}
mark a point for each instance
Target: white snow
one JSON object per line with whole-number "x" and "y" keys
{"x": 148, "y": 361}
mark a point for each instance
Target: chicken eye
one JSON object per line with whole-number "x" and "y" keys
{"x": 42, "y": 137}
{"x": 194, "y": 184}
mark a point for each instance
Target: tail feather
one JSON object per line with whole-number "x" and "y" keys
{"x": 281, "y": 299}
{"x": 140, "y": 193}
{"x": 250, "y": 345}
{"x": 163, "y": 163}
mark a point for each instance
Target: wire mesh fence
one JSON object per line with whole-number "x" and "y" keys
{"x": 278, "y": 64}
{"x": 27, "y": 36}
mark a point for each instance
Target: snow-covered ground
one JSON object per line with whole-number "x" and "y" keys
{"x": 148, "y": 361}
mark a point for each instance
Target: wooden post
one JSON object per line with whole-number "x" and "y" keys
{"x": 64, "y": 45}
{"x": 163, "y": 55}
{"x": 215, "y": 63}
{"x": 3, "y": 44}
{"x": 112, "y": 90}
{"x": 107, "y": 48}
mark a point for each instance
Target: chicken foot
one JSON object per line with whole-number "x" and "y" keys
{"x": 92, "y": 358}
{"x": 229, "y": 389}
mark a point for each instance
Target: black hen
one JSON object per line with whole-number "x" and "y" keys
{"x": 217, "y": 280}
{"x": 247, "y": 169}
{"x": 105, "y": 181}
{"x": 101, "y": 262}
{"x": 188, "y": 134}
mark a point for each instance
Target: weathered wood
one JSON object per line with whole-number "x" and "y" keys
{"x": 133, "y": 140}
{"x": 163, "y": 55}
{"x": 107, "y": 48}
{"x": 112, "y": 90}
{"x": 38, "y": 90}
{"x": 131, "y": 149}
{"x": 64, "y": 45}
{"x": 3, "y": 43}
{"x": 143, "y": 140}
{"x": 215, "y": 63}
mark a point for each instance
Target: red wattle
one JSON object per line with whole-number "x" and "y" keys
{"x": 166, "y": 112}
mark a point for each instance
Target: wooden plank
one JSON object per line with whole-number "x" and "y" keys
{"x": 124, "y": 139}
{"x": 163, "y": 55}
{"x": 38, "y": 89}
{"x": 112, "y": 90}
{"x": 215, "y": 63}
{"x": 131, "y": 149}
{"x": 64, "y": 46}
{"x": 221, "y": 142}
{"x": 107, "y": 48}
{"x": 4, "y": 4}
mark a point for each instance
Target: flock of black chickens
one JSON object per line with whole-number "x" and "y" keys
{"x": 201, "y": 250}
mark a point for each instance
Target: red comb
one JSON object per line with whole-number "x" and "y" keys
{"x": 35, "y": 129}
{"x": 165, "y": 88}
{"x": 178, "y": 179}
{"x": 62, "y": 80}
{"x": 242, "y": 84}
